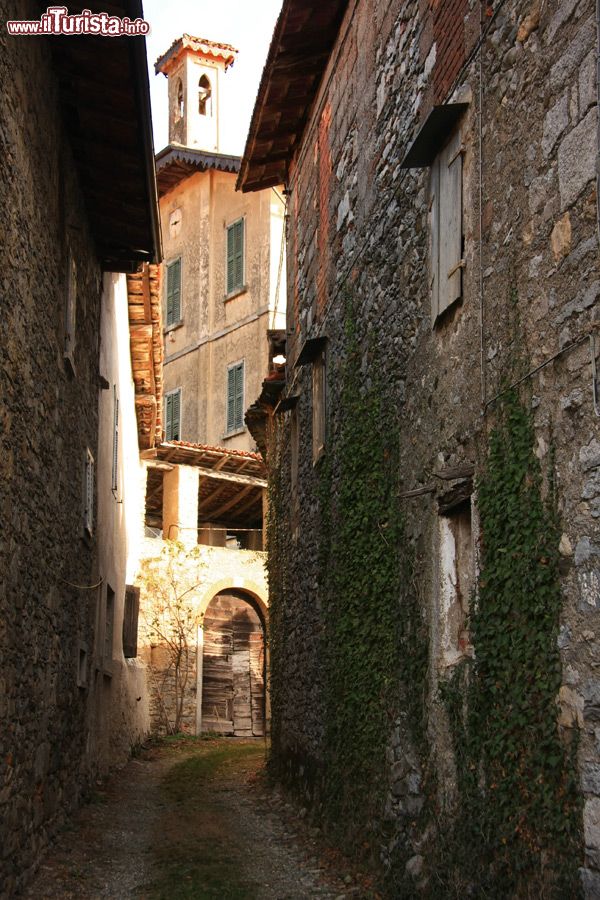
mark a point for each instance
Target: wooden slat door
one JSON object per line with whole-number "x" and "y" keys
{"x": 233, "y": 690}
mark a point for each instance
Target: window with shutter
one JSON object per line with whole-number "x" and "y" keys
{"x": 319, "y": 417}
{"x": 174, "y": 292}
{"x": 445, "y": 220}
{"x": 130, "y": 621}
{"x": 235, "y": 397}
{"x": 88, "y": 510}
{"x": 235, "y": 256}
{"x": 115, "y": 458}
{"x": 173, "y": 415}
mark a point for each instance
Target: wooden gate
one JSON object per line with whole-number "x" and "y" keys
{"x": 233, "y": 669}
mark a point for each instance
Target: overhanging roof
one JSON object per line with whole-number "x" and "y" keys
{"x": 212, "y": 49}
{"x": 105, "y": 100}
{"x": 231, "y": 482}
{"x": 176, "y": 162}
{"x": 302, "y": 41}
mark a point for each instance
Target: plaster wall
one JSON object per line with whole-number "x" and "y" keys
{"x": 216, "y": 330}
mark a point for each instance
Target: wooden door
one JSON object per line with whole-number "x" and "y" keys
{"x": 233, "y": 690}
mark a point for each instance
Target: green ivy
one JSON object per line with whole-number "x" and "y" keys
{"x": 374, "y": 637}
{"x": 517, "y": 832}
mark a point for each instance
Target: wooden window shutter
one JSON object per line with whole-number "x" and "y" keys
{"x": 434, "y": 239}
{"x": 239, "y": 253}
{"x": 235, "y": 256}
{"x": 174, "y": 292}
{"x": 450, "y": 223}
{"x": 130, "y": 621}
{"x": 239, "y": 396}
{"x": 173, "y": 416}
{"x": 318, "y": 406}
{"x": 88, "y": 512}
{"x": 231, "y": 379}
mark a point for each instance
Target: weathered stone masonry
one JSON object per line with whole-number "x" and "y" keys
{"x": 530, "y": 285}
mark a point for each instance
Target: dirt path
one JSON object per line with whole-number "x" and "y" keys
{"x": 192, "y": 819}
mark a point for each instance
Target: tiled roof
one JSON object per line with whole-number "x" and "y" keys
{"x": 227, "y": 451}
{"x": 176, "y": 162}
{"x": 213, "y": 49}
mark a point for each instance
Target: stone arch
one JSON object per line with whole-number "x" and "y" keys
{"x": 245, "y": 585}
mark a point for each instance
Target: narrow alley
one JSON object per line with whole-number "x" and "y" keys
{"x": 191, "y": 818}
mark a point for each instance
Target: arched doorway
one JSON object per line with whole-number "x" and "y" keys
{"x": 233, "y": 666}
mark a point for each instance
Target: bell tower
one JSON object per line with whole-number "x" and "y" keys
{"x": 194, "y": 67}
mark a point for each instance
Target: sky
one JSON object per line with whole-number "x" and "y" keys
{"x": 248, "y": 26}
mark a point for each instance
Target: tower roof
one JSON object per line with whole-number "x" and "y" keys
{"x": 211, "y": 49}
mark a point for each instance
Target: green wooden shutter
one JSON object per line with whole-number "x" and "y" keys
{"x": 173, "y": 416}
{"x": 239, "y": 396}
{"x": 235, "y": 256}
{"x": 231, "y": 379}
{"x": 239, "y": 254}
{"x": 174, "y": 292}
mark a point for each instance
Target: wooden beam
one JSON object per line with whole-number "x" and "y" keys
{"x": 215, "y": 513}
{"x": 229, "y": 476}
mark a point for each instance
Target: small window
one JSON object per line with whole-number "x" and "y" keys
{"x": 173, "y": 415}
{"x": 115, "y": 455}
{"x": 174, "y": 292}
{"x": 204, "y": 97}
{"x": 445, "y": 227}
{"x": 109, "y": 621}
{"x": 179, "y": 110}
{"x": 235, "y": 256}
{"x": 319, "y": 405}
{"x": 88, "y": 494}
{"x": 82, "y": 665}
{"x": 457, "y": 571}
{"x": 235, "y": 397}
{"x": 130, "y": 621}
{"x": 70, "y": 311}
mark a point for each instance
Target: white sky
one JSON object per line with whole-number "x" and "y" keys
{"x": 247, "y": 25}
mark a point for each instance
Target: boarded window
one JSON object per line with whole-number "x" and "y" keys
{"x": 173, "y": 415}
{"x": 88, "y": 493}
{"x": 174, "y": 292}
{"x": 235, "y": 256}
{"x": 130, "y": 621}
{"x": 319, "y": 404}
{"x": 235, "y": 397}
{"x": 457, "y": 569}
{"x": 445, "y": 226}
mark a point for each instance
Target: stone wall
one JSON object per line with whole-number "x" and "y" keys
{"x": 529, "y": 299}
{"x": 49, "y": 417}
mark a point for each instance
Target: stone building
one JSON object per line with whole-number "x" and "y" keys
{"x": 79, "y": 203}
{"x": 433, "y": 452}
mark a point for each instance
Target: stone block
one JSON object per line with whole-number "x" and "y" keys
{"x": 560, "y": 239}
{"x": 555, "y": 123}
{"x": 577, "y": 159}
{"x": 588, "y": 92}
{"x": 590, "y": 882}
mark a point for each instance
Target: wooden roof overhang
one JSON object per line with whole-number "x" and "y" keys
{"x": 176, "y": 163}
{"x": 302, "y": 42}
{"x": 145, "y": 335}
{"x": 105, "y": 99}
{"x": 231, "y": 482}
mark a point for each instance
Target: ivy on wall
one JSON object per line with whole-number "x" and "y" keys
{"x": 517, "y": 832}
{"x": 374, "y": 636}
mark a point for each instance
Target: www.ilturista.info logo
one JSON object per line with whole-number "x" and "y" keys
{"x": 56, "y": 20}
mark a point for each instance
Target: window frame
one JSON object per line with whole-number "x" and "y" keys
{"x": 178, "y": 260}
{"x": 115, "y": 448}
{"x": 240, "y": 364}
{"x": 89, "y": 480}
{"x": 235, "y": 288}
{"x": 168, "y": 396}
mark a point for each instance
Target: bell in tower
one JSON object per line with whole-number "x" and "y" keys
{"x": 194, "y": 67}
